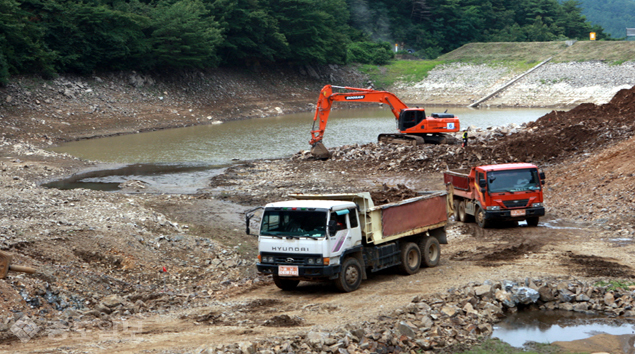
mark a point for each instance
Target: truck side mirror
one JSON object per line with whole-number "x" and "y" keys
{"x": 248, "y": 215}
{"x": 542, "y": 177}
{"x": 482, "y": 183}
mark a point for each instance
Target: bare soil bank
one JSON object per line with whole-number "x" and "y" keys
{"x": 74, "y": 107}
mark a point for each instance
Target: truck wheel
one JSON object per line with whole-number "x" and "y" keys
{"x": 456, "y": 210}
{"x": 480, "y": 218}
{"x": 285, "y": 284}
{"x": 410, "y": 258}
{"x": 533, "y": 221}
{"x": 431, "y": 251}
{"x": 351, "y": 276}
{"x": 463, "y": 215}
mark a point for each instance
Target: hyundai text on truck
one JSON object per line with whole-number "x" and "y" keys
{"x": 492, "y": 193}
{"x": 344, "y": 237}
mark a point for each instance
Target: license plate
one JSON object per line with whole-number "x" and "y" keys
{"x": 288, "y": 271}
{"x": 518, "y": 212}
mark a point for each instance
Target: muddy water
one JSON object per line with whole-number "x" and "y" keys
{"x": 181, "y": 160}
{"x": 272, "y": 137}
{"x": 552, "y": 326}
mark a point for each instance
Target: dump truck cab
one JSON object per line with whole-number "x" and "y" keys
{"x": 505, "y": 192}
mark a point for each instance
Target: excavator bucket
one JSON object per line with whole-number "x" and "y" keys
{"x": 319, "y": 151}
{"x": 5, "y": 265}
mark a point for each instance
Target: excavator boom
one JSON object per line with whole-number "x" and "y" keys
{"x": 414, "y": 126}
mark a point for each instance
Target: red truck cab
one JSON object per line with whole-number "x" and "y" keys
{"x": 490, "y": 193}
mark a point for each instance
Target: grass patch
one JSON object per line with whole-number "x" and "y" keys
{"x": 615, "y": 284}
{"x": 607, "y": 51}
{"x": 530, "y": 53}
{"x": 409, "y": 71}
{"x": 495, "y": 346}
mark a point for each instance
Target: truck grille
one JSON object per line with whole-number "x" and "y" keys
{"x": 520, "y": 203}
{"x": 291, "y": 259}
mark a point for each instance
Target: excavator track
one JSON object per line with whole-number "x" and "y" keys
{"x": 409, "y": 139}
{"x": 404, "y": 139}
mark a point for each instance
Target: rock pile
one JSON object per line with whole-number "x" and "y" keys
{"x": 457, "y": 319}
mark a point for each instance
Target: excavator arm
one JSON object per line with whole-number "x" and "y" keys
{"x": 327, "y": 97}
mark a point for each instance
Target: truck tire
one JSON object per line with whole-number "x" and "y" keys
{"x": 463, "y": 215}
{"x": 410, "y": 258}
{"x": 456, "y": 210}
{"x": 285, "y": 284}
{"x": 480, "y": 218}
{"x": 532, "y": 221}
{"x": 350, "y": 277}
{"x": 431, "y": 251}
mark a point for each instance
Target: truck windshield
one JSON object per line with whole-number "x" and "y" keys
{"x": 293, "y": 223}
{"x": 513, "y": 181}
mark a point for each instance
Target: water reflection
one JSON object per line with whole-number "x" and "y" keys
{"x": 155, "y": 178}
{"x": 551, "y": 326}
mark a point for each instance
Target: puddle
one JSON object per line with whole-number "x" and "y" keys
{"x": 552, "y": 326}
{"x": 622, "y": 241}
{"x": 157, "y": 178}
{"x": 559, "y": 225}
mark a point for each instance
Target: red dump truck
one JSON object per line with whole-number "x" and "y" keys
{"x": 491, "y": 193}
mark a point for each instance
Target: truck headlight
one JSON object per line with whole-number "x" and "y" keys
{"x": 536, "y": 205}
{"x": 311, "y": 261}
{"x": 496, "y": 207}
{"x": 269, "y": 259}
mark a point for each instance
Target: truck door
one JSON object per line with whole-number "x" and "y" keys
{"x": 338, "y": 240}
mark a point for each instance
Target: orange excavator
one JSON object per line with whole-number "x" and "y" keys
{"x": 413, "y": 125}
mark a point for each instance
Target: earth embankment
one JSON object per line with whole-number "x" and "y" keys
{"x": 580, "y": 72}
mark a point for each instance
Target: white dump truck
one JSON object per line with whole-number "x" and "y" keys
{"x": 343, "y": 237}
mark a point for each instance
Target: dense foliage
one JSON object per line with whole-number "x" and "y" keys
{"x": 613, "y": 15}
{"x": 83, "y": 36}
{"x": 433, "y": 27}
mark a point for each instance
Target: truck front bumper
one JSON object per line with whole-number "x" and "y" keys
{"x": 304, "y": 272}
{"x": 506, "y": 214}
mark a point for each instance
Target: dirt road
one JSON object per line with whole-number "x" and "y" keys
{"x": 257, "y": 312}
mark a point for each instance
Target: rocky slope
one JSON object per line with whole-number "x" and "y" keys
{"x": 552, "y": 85}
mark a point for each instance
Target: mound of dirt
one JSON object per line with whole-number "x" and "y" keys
{"x": 392, "y": 194}
{"x": 583, "y": 129}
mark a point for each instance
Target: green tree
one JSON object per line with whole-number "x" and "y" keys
{"x": 183, "y": 34}
{"x": 315, "y": 30}
{"x": 370, "y": 53}
{"x": 250, "y": 32}
{"x": 88, "y": 37}
{"x": 22, "y": 49}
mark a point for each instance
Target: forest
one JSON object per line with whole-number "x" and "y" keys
{"x": 613, "y": 15}
{"x": 48, "y": 37}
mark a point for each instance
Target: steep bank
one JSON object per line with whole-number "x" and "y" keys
{"x": 73, "y": 107}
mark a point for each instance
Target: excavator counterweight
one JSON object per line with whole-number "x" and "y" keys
{"x": 414, "y": 126}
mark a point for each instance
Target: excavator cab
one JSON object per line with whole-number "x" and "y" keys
{"x": 411, "y": 117}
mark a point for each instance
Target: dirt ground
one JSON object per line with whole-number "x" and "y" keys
{"x": 101, "y": 285}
